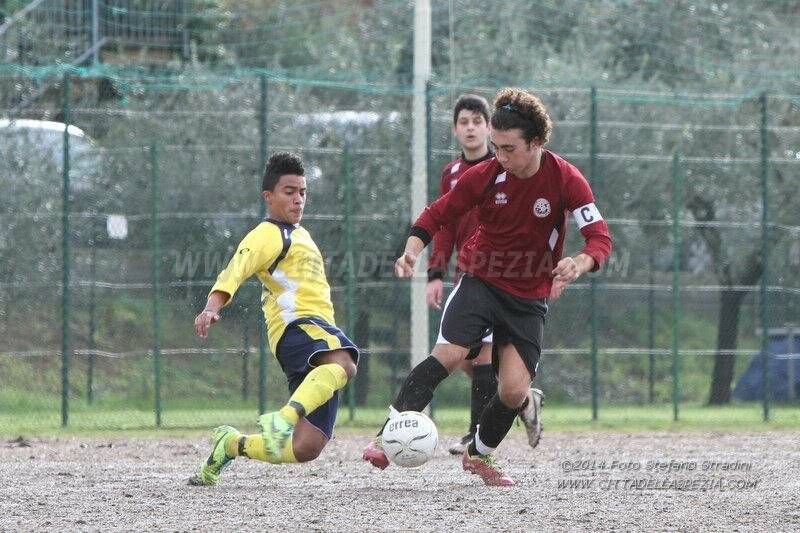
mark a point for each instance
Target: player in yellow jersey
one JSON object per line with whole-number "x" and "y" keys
{"x": 317, "y": 358}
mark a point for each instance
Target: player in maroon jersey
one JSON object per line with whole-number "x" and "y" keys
{"x": 471, "y": 130}
{"x": 513, "y": 263}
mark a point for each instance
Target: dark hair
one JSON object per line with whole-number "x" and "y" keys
{"x": 515, "y": 108}
{"x": 281, "y": 164}
{"x": 471, "y": 102}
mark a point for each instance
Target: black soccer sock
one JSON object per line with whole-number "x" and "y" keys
{"x": 484, "y": 386}
{"x": 495, "y": 424}
{"x": 417, "y": 390}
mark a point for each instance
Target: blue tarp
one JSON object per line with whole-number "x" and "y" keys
{"x": 749, "y": 386}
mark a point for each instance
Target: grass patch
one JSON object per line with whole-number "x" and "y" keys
{"x": 102, "y": 421}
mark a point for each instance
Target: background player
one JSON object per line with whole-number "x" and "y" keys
{"x": 471, "y": 130}
{"x": 512, "y": 264}
{"x": 317, "y": 358}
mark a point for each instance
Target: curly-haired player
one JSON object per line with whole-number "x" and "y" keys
{"x": 471, "y": 130}
{"x": 512, "y": 265}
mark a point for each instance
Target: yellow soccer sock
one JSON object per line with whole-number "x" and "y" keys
{"x": 318, "y": 387}
{"x": 287, "y": 453}
{"x": 252, "y": 447}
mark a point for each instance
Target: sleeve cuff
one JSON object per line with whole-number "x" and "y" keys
{"x": 421, "y": 234}
{"x": 435, "y": 273}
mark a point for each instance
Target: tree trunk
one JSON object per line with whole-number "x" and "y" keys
{"x": 725, "y": 358}
{"x": 728, "y": 329}
{"x": 730, "y": 307}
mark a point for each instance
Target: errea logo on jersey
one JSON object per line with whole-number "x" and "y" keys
{"x": 541, "y": 207}
{"x": 500, "y": 198}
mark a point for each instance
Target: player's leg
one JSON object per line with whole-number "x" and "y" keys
{"x": 516, "y": 353}
{"x": 484, "y": 386}
{"x": 465, "y": 319}
{"x": 416, "y": 392}
{"x": 324, "y": 359}
{"x": 318, "y": 360}
{"x": 464, "y": 322}
{"x": 513, "y": 384}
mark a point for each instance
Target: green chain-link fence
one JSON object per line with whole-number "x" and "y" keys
{"x": 170, "y": 183}
{"x": 689, "y": 138}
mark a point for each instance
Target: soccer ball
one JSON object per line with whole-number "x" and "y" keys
{"x": 409, "y": 439}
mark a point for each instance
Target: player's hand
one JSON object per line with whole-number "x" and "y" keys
{"x": 203, "y": 321}
{"x": 404, "y": 266}
{"x": 433, "y": 293}
{"x": 566, "y": 272}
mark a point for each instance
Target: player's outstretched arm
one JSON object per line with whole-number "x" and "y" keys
{"x": 210, "y": 313}
{"x": 404, "y": 266}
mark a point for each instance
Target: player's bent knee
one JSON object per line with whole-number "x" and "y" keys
{"x": 450, "y": 355}
{"x": 341, "y": 358}
{"x": 306, "y": 452}
{"x": 308, "y": 442}
{"x": 512, "y": 396}
{"x": 350, "y": 369}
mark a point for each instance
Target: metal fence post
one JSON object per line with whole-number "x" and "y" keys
{"x": 66, "y": 347}
{"x": 432, "y": 187}
{"x": 594, "y": 177}
{"x": 677, "y": 197}
{"x": 350, "y": 288}
{"x": 262, "y": 158}
{"x": 90, "y": 343}
{"x": 765, "y": 381}
{"x": 651, "y": 333}
{"x": 245, "y": 358}
{"x": 156, "y": 275}
{"x": 95, "y": 32}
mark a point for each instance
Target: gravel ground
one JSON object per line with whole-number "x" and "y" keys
{"x": 648, "y": 481}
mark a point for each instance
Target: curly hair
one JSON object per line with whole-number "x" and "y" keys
{"x": 281, "y": 164}
{"x": 515, "y": 108}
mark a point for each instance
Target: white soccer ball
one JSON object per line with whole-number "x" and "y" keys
{"x": 409, "y": 439}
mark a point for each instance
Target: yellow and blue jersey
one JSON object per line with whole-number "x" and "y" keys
{"x": 289, "y": 265}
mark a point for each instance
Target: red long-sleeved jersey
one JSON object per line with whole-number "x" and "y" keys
{"x": 521, "y": 223}
{"x": 455, "y": 232}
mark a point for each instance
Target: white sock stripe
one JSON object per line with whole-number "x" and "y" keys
{"x": 479, "y": 445}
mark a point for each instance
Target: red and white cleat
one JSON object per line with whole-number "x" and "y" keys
{"x": 486, "y": 467}
{"x": 375, "y": 455}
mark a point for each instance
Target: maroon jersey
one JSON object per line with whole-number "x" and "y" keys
{"x": 455, "y": 232}
{"x": 521, "y": 223}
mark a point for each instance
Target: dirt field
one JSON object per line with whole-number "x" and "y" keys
{"x": 748, "y": 481}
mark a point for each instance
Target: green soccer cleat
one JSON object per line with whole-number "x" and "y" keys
{"x": 275, "y": 430}
{"x": 209, "y": 470}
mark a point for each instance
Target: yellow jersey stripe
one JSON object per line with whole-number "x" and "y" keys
{"x": 318, "y": 333}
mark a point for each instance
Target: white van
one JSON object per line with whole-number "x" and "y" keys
{"x": 35, "y": 147}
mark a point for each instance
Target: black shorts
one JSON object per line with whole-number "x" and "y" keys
{"x": 475, "y": 306}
